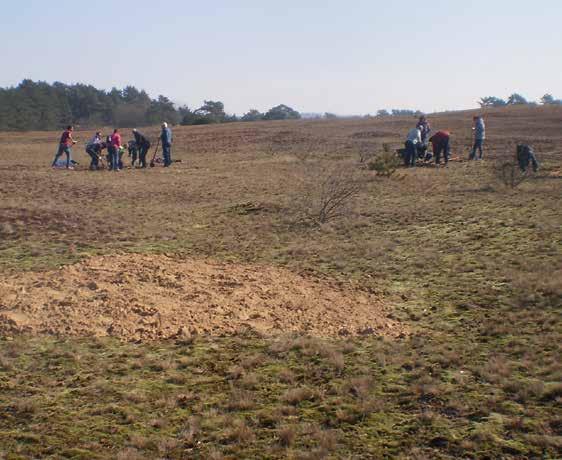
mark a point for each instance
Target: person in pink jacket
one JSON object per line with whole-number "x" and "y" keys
{"x": 115, "y": 146}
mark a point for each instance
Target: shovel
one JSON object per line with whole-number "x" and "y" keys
{"x": 152, "y": 164}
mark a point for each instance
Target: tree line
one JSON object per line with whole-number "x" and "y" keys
{"x": 517, "y": 99}
{"x": 42, "y": 106}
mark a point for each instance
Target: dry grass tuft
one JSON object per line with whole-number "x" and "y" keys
{"x": 286, "y": 376}
{"x": 235, "y": 372}
{"x": 240, "y": 432}
{"x": 286, "y": 435}
{"x": 360, "y": 387}
{"x": 240, "y": 400}
{"x": 130, "y": 454}
{"x": 190, "y": 431}
{"x": 296, "y": 396}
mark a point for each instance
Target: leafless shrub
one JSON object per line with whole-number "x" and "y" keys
{"x": 327, "y": 195}
{"x": 508, "y": 173}
{"x": 365, "y": 151}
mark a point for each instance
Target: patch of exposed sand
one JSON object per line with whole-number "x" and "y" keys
{"x": 147, "y": 297}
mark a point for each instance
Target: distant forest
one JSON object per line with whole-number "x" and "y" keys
{"x": 43, "y": 106}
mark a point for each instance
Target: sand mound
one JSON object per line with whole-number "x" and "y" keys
{"x": 136, "y": 297}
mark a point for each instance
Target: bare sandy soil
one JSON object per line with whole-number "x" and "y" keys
{"x": 143, "y": 297}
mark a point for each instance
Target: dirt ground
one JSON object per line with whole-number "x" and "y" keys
{"x": 134, "y": 297}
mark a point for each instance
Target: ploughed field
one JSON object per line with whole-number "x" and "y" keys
{"x": 202, "y": 311}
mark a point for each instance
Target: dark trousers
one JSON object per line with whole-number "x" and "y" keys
{"x": 478, "y": 145}
{"x": 442, "y": 148}
{"x": 62, "y": 149}
{"x": 527, "y": 158}
{"x": 133, "y": 153}
{"x": 143, "y": 150}
{"x": 167, "y": 154}
{"x": 411, "y": 154}
{"x": 113, "y": 157}
{"x": 94, "y": 156}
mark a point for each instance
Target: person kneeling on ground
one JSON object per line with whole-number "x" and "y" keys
{"x": 133, "y": 152}
{"x": 440, "y": 141}
{"x": 66, "y": 142}
{"x": 526, "y": 155}
{"x": 143, "y": 144}
{"x": 93, "y": 148}
{"x": 166, "y": 139}
{"x": 122, "y": 151}
{"x": 412, "y": 142}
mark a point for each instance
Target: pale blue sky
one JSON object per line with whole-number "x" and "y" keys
{"x": 317, "y": 55}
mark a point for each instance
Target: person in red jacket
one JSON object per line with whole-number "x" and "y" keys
{"x": 66, "y": 142}
{"x": 115, "y": 146}
{"x": 440, "y": 141}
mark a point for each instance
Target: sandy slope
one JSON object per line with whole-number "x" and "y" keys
{"x": 136, "y": 297}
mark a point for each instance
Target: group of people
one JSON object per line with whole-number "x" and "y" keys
{"x": 418, "y": 140}
{"x": 137, "y": 148}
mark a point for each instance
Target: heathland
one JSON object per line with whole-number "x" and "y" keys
{"x": 215, "y": 310}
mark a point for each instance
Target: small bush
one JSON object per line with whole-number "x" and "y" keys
{"x": 385, "y": 164}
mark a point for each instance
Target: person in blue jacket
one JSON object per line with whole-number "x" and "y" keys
{"x": 166, "y": 140}
{"x": 479, "y": 129}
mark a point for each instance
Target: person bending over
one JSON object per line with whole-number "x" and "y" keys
{"x": 93, "y": 148}
{"x": 143, "y": 144}
{"x": 441, "y": 145}
{"x": 526, "y": 155}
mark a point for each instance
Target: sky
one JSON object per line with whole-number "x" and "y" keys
{"x": 351, "y": 57}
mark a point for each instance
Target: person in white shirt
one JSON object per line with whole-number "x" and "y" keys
{"x": 413, "y": 140}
